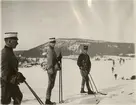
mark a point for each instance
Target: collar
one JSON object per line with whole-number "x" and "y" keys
{"x": 84, "y": 53}
{"x": 51, "y": 47}
{"x": 9, "y": 48}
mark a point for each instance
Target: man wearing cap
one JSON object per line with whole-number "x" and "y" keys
{"x": 84, "y": 64}
{"x": 10, "y": 77}
{"x": 51, "y": 70}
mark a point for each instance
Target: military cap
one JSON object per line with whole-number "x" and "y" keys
{"x": 52, "y": 40}
{"x": 11, "y": 35}
{"x": 85, "y": 47}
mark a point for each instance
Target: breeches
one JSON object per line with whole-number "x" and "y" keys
{"x": 85, "y": 79}
{"x": 51, "y": 82}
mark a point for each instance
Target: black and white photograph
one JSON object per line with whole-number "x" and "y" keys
{"x": 57, "y": 52}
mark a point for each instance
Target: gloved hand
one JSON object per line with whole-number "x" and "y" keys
{"x": 20, "y": 77}
{"x": 59, "y": 58}
{"x": 57, "y": 66}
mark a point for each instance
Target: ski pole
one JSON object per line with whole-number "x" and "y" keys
{"x": 95, "y": 86}
{"x": 61, "y": 88}
{"x": 93, "y": 90}
{"x": 93, "y": 83}
{"x": 94, "y": 93}
{"x": 38, "y": 99}
{"x": 60, "y": 79}
{"x": 90, "y": 82}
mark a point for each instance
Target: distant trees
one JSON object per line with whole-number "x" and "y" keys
{"x": 96, "y": 48}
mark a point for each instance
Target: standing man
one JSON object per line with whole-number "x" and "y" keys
{"x": 113, "y": 62}
{"x": 10, "y": 77}
{"x": 112, "y": 69}
{"x": 51, "y": 69}
{"x": 115, "y": 75}
{"x": 84, "y": 64}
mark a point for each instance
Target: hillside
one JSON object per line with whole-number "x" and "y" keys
{"x": 73, "y": 46}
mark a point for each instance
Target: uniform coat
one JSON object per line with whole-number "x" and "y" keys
{"x": 9, "y": 68}
{"x": 84, "y": 64}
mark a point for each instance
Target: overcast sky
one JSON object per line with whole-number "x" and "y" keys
{"x": 36, "y": 21}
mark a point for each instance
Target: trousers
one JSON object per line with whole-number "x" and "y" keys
{"x": 51, "y": 83}
{"x": 85, "y": 79}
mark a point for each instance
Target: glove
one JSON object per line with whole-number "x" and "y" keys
{"x": 57, "y": 66}
{"x": 59, "y": 58}
{"x": 20, "y": 77}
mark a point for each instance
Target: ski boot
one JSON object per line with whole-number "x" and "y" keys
{"x": 48, "y": 102}
{"x": 82, "y": 91}
{"x": 91, "y": 92}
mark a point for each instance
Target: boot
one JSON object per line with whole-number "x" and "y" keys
{"x": 49, "y": 102}
{"x": 91, "y": 92}
{"x": 82, "y": 91}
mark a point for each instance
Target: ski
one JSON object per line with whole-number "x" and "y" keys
{"x": 55, "y": 103}
{"x": 102, "y": 93}
{"x": 51, "y": 104}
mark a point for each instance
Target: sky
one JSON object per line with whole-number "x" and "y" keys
{"x": 38, "y": 20}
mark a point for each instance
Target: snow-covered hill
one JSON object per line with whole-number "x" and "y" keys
{"x": 72, "y": 46}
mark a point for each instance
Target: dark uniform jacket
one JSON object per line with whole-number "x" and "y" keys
{"x": 84, "y": 62}
{"x": 9, "y": 64}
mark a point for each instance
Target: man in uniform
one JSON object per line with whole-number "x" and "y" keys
{"x": 112, "y": 69}
{"x": 51, "y": 69}
{"x": 84, "y": 64}
{"x": 10, "y": 77}
{"x": 115, "y": 75}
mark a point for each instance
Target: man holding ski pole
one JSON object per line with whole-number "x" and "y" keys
{"x": 52, "y": 67}
{"x": 10, "y": 76}
{"x": 84, "y": 64}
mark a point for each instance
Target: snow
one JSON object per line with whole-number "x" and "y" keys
{"x": 119, "y": 91}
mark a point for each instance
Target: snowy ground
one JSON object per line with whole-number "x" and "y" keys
{"x": 119, "y": 91}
